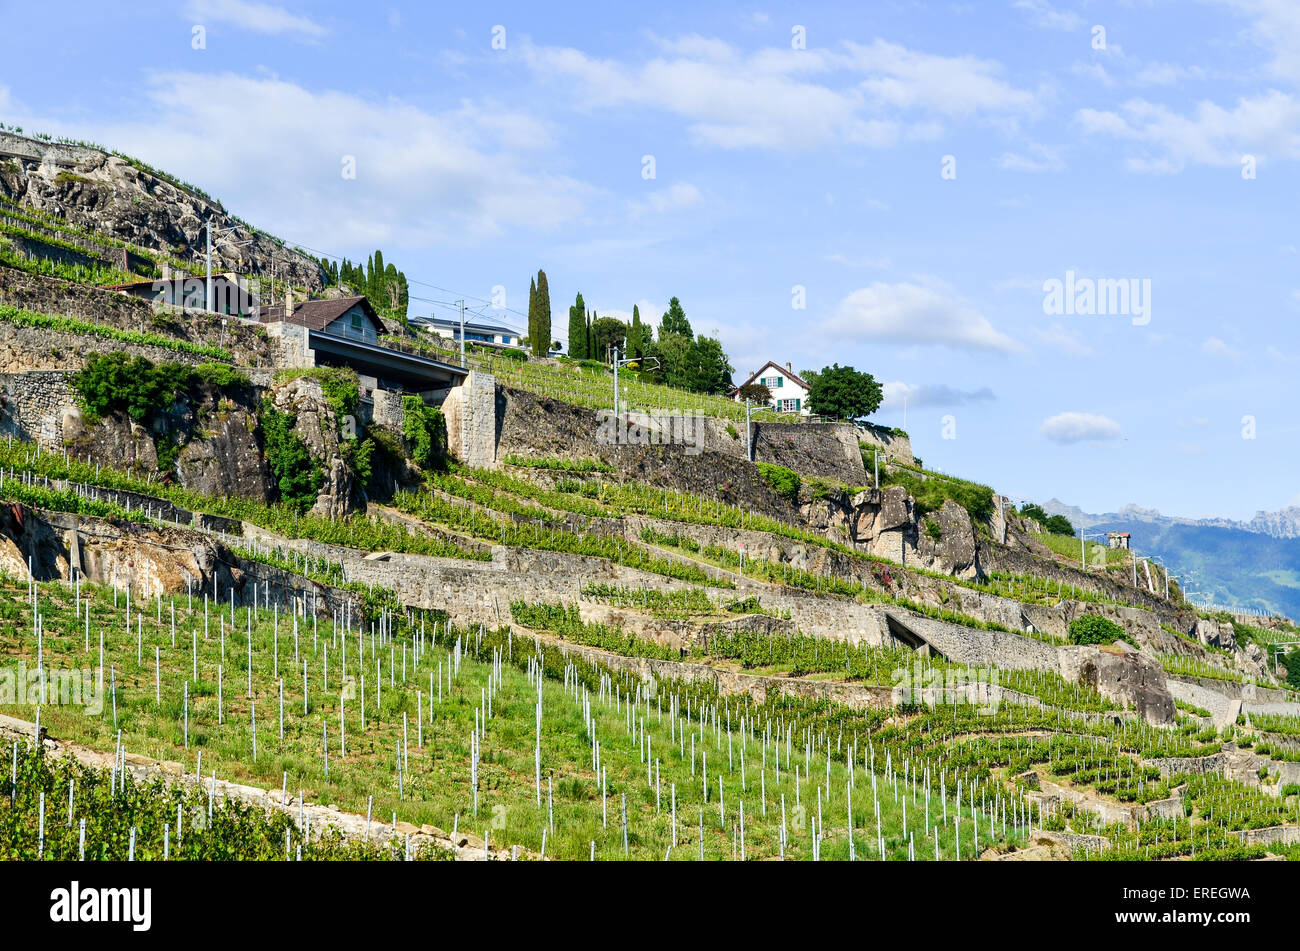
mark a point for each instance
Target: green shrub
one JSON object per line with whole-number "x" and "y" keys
{"x": 517, "y": 355}
{"x": 425, "y": 432}
{"x": 1095, "y": 629}
{"x": 932, "y": 491}
{"x": 114, "y": 382}
{"x": 298, "y": 477}
{"x": 933, "y": 529}
{"x": 340, "y": 385}
{"x": 1292, "y": 662}
{"x": 784, "y": 481}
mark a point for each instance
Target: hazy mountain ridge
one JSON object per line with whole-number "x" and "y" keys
{"x": 1247, "y": 565}
{"x": 1283, "y": 523}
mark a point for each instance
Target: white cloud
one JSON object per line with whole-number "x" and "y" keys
{"x": 673, "y": 198}
{"x": 1040, "y": 158}
{"x": 1215, "y": 347}
{"x": 1266, "y": 126}
{"x": 273, "y": 152}
{"x": 861, "y": 261}
{"x": 870, "y": 95}
{"x": 1275, "y": 25}
{"x": 910, "y": 314}
{"x": 1079, "y": 427}
{"x": 931, "y": 394}
{"x": 1167, "y": 74}
{"x": 1093, "y": 71}
{"x": 1043, "y": 14}
{"x": 1067, "y": 341}
{"x": 256, "y": 17}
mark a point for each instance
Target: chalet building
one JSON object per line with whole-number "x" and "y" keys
{"x": 232, "y": 295}
{"x": 349, "y": 317}
{"x": 788, "y": 389}
{"x": 476, "y": 331}
{"x": 1117, "y": 539}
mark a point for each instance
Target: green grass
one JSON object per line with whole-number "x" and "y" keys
{"x": 435, "y": 787}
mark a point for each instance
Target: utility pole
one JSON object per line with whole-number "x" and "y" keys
{"x": 207, "y": 289}
{"x": 461, "y": 304}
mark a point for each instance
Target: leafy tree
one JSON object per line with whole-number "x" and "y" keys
{"x": 674, "y": 321}
{"x": 708, "y": 370}
{"x": 843, "y": 393}
{"x": 1058, "y": 525}
{"x": 541, "y": 334}
{"x": 578, "y": 330}
{"x": 1034, "y": 511}
{"x": 756, "y": 393}
{"x": 607, "y": 332}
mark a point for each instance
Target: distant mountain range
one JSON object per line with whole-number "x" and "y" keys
{"x": 1284, "y": 523}
{"x": 1251, "y": 565}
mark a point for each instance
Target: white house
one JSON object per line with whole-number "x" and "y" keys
{"x": 476, "y": 331}
{"x": 788, "y": 389}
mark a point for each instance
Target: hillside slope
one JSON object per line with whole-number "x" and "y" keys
{"x": 125, "y": 199}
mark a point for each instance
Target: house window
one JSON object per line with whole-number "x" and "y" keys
{"x": 356, "y": 322}
{"x": 789, "y": 406}
{"x": 772, "y": 382}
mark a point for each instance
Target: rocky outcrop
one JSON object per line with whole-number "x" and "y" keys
{"x": 317, "y": 424}
{"x": 119, "y": 197}
{"x": 1122, "y": 676}
{"x": 1213, "y": 633}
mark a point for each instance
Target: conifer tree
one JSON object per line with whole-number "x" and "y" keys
{"x": 542, "y": 337}
{"x": 578, "y": 329}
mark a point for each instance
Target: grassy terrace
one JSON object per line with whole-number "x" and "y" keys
{"x": 597, "y": 498}
{"x": 420, "y": 711}
{"x": 354, "y": 531}
{"x": 395, "y": 709}
{"x": 796, "y": 655}
{"x": 27, "y": 318}
{"x": 784, "y": 574}
{"x": 55, "y": 226}
{"x": 593, "y": 388}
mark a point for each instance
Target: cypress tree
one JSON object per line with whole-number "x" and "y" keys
{"x": 542, "y": 340}
{"x": 532, "y": 315}
{"x": 635, "y": 338}
{"x": 578, "y": 330}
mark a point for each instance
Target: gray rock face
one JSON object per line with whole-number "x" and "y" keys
{"x": 1214, "y": 633}
{"x": 953, "y": 551}
{"x": 318, "y": 426}
{"x": 106, "y": 193}
{"x": 1123, "y": 676}
{"x": 227, "y": 462}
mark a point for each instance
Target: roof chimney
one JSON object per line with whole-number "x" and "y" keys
{"x": 788, "y": 369}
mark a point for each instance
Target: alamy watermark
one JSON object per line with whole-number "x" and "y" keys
{"x": 1114, "y": 297}
{"x": 670, "y": 427}
{"x": 932, "y": 686}
{"x": 50, "y": 686}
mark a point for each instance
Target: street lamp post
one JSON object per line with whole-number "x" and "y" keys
{"x": 620, "y": 361}
{"x": 1083, "y": 546}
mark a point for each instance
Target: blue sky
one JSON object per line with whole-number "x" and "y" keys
{"x": 1115, "y": 156}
